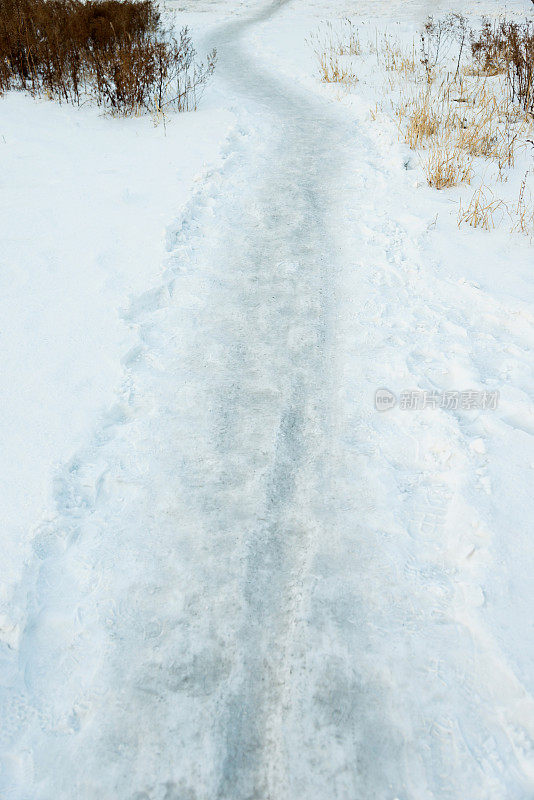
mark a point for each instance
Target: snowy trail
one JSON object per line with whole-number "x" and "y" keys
{"x": 227, "y": 606}
{"x": 283, "y": 299}
{"x": 234, "y": 412}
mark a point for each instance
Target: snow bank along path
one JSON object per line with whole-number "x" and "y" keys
{"x": 227, "y": 605}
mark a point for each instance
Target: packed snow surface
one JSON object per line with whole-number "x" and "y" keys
{"x": 227, "y": 576}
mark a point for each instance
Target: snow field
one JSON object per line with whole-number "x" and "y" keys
{"x": 253, "y": 583}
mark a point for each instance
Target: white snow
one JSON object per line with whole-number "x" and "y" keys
{"x": 85, "y": 204}
{"x": 244, "y": 581}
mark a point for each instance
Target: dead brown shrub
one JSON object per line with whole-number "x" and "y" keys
{"x": 508, "y": 47}
{"x": 116, "y": 51}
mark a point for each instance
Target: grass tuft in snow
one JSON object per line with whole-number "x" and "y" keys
{"x": 480, "y": 212}
{"x": 333, "y": 46}
{"x": 446, "y": 165}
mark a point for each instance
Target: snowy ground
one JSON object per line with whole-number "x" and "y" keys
{"x": 247, "y": 583}
{"x": 84, "y": 206}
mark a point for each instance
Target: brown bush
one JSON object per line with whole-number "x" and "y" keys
{"x": 508, "y": 47}
{"x": 116, "y": 51}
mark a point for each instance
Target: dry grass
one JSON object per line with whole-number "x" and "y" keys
{"x": 114, "y": 51}
{"x": 459, "y": 122}
{"x": 477, "y": 70}
{"x": 480, "y": 213}
{"x": 446, "y": 166}
{"x": 507, "y": 48}
{"x": 418, "y": 119}
{"x": 462, "y": 102}
{"x": 333, "y": 47}
{"x": 393, "y": 58}
{"x": 487, "y": 212}
{"x": 331, "y": 70}
{"x": 348, "y": 40}
{"x": 523, "y": 213}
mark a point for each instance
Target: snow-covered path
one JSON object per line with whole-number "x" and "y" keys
{"x": 222, "y": 607}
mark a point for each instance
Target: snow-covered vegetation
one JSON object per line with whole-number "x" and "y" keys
{"x": 463, "y": 101}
